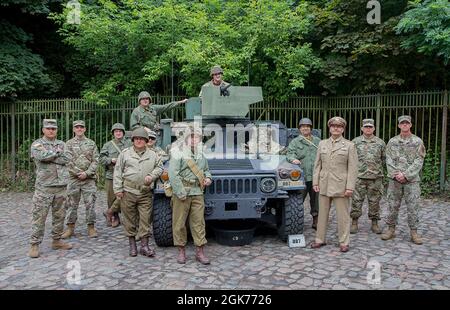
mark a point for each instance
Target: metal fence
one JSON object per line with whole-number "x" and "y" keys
{"x": 21, "y": 121}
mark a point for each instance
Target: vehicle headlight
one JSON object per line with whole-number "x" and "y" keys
{"x": 295, "y": 175}
{"x": 283, "y": 173}
{"x": 268, "y": 185}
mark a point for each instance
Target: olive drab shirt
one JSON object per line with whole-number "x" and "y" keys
{"x": 371, "y": 156}
{"x": 109, "y": 151}
{"x": 147, "y": 117}
{"x": 84, "y": 157}
{"x": 132, "y": 168}
{"x": 336, "y": 166}
{"x": 210, "y": 83}
{"x": 305, "y": 151}
{"x": 406, "y": 156}
{"x": 184, "y": 182}
{"x": 51, "y": 158}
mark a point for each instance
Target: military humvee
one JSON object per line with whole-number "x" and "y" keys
{"x": 251, "y": 177}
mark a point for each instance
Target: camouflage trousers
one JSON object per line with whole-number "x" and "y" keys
{"x": 193, "y": 207}
{"x": 76, "y": 189}
{"x": 373, "y": 189}
{"x": 411, "y": 194}
{"x": 43, "y": 200}
{"x": 136, "y": 212}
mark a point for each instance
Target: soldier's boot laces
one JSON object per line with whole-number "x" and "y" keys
{"x": 415, "y": 238}
{"x": 145, "y": 249}
{"x": 314, "y": 224}
{"x": 34, "y": 251}
{"x": 92, "y": 232}
{"x": 201, "y": 257}
{"x": 354, "y": 227}
{"x": 133, "y": 248}
{"x": 115, "y": 220}
{"x": 389, "y": 234}
{"x": 60, "y": 245}
{"x": 70, "y": 231}
{"x": 181, "y": 259}
{"x": 375, "y": 228}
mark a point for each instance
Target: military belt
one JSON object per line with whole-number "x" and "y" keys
{"x": 141, "y": 188}
{"x": 189, "y": 182}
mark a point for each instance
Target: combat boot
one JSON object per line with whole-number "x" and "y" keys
{"x": 34, "y": 251}
{"x": 133, "y": 248}
{"x": 145, "y": 249}
{"x": 354, "y": 227}
{"x": 70, "y": 231}
{"x": 181, "y": 259}
{"x": 375, "y": 228}
{"x": 389, "y": 234}
{"x": 314, "y": 224}
{"x": 115, "y": 220}
{"x": 108, "y": 216}
{"x": 201, "y": 257}
{"x": 415, "y": 238}
{"x": 58, "y": 244}
{"x": 92, "y": 232}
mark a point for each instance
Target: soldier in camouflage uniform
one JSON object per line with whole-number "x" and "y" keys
{"x": 108, "y": 157}
{"x": 188, "y": 175}
{"x": 371, "y": 157}
{"x": 82, "y": 177}
{"x": 50, "y": 157}
{"x": 405, "y": 154}
{"x": 302, "y": 151}
{"x": 216, "y": 74}
{"x": 145, "y": 115}
{"x": 136, "y": 170}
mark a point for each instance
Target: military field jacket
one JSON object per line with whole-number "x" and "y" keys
{"x": 304, "y": 151}
{"x": 371, "y": 156}
{"x": 109, "y": 151}
{"x": 84, "y": 157}
{"x": 147, "y": 117}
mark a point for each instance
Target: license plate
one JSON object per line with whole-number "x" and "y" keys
{"x": 289, "y": 183}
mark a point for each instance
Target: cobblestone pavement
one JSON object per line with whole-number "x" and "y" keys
{"x": 266, "y": 263}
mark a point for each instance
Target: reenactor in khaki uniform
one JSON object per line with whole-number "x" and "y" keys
{"x": 50, "y": 157}
{"x": 82, "y": 178}
{"x": 216, "y": 74}
{"x": 188, "y": 176}
{"x": 136, "y": 170}
{"x": 302, "y": 151}
{"x": 108, "y": 157}
{"x": 405, "y": 154}
{"x": 335, "y": 172}
{"x": 146, "y": 114}
{"x": 371, "y": 156}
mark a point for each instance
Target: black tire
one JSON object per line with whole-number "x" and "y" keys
{"x": 292, "y": 216}
{"x": 162, "y": 221}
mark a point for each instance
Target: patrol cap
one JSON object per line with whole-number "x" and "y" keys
{"x": 368, "y": 122}
{"x": 139, "y": 132}
{"x": 118, "y": 126}
{"x": 144, "y": 94}
{"x": 49, "y": 123}
{"x": 216, "y": 69}
{"x": 151, "y": 134}
{"x": 79, "y": 123}
{"x": 404, "y": 118}
{"x": 305, "y": 121}
{"x": 337, "y": 120}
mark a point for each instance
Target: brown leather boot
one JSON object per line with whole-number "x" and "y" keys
{"x": 70, "y": 231}
{"x": 181, "y": 259}
{"x": 314, "y": 224}
{"x": 115, "y": 220}
{"x": 145, "y": 249}
{"x": 34, "y": 251}
{"x": 375, "y": 228}
{"x": 354, "y": 227}
{"x": 389, "y": 234}
{"x": 133, "y": 247}
{"x": 58, "y": 244}
{"x": 108, "y": 216}
{"x": 92, "y": 232}
{"x": 201, "y": 257}
{"x": 415, "y": 238}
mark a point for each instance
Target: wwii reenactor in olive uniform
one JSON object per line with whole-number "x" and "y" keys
{"x": 335, "y": 172}
{"x": 146, "y": 114}
{"x": 108, "y": 157}
{"x": 371, "y": 156}
{"x": 405, "y": 154}
{"x": 50, "y": 157}
{"x": 216, "y": 74}
{"x": 152, "y": 145}
{"x": 302, "y": 151}
{"x": 188, "y": 176}
{"x": 136, "y": 170}
{"x": 82, "y": 177}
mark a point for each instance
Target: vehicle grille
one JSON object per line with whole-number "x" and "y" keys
{"x": 234, "y": 186}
